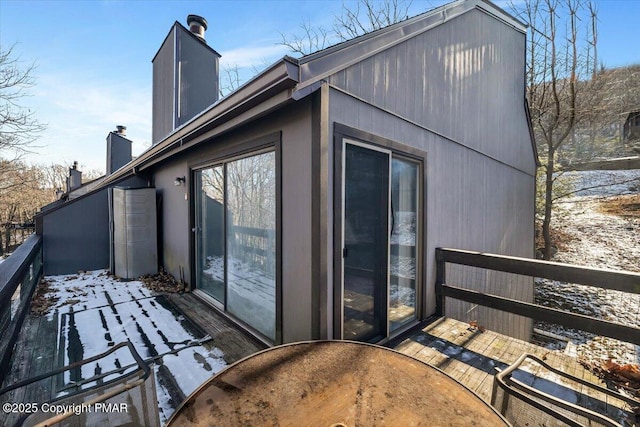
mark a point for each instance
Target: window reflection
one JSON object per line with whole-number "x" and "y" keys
{"x": 242, "y": 277}
{"x": 402, "y": 262}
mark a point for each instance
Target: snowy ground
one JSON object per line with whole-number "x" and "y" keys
{"x": 95, "y": 311}
{"x": 603, "y": 241}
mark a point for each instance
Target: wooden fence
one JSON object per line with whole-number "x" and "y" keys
{"x": 627, "y": 282}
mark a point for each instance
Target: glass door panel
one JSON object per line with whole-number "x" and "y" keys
{"x": 404, "y": 228}
{"x": 209, "y": 227}
{"x": 365, "y": 253}
{"x": 251, "y": 241}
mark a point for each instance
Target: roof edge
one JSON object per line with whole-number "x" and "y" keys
{"x": 319, "y": 65}
{"x": 283, "y": 73}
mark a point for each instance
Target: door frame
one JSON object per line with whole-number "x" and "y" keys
{"x": 368, "y": 140}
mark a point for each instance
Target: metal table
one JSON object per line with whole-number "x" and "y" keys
{"x": 333, "y": 383}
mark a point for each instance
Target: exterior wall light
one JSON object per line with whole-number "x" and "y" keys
{"x": 179, "y": 181}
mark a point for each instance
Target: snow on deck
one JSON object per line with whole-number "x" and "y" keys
{"x": 96, "y": 311}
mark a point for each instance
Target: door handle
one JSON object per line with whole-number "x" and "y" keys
{"x": 345, "y": 251}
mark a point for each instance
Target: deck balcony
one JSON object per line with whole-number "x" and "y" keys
{"x": 176, "y": 333}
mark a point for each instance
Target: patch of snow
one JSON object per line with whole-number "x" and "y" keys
{"x": 96, "y": 311}
{"x": 605, "y": 183}
{"x": 603, "y": 241}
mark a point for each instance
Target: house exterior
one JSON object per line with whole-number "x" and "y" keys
{"x": 631, "y": 127}
{"x": 308, "y": 203}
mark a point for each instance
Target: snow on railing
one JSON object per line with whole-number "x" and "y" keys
{"x": 19, "y": 275}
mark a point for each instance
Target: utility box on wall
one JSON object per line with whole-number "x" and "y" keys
{"x": 135, "y": 248}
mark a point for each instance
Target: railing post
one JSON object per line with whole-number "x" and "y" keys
{"x": 440, "y": 281}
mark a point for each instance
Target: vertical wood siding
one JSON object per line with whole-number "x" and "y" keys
{"x": 457, "y": 92}
{"x": 463, "y": 79}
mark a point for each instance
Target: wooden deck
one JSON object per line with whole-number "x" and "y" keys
{"x": 41, "y": 349}
{"x": 465, "y": 353}
{"x": 471, "y": 357}
{"x": 229, "y": 338}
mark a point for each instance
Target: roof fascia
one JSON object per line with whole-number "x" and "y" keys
{"x": 281, "y": 75}
{"x": 319, "y": 65}
{"x": 274, "y": 102}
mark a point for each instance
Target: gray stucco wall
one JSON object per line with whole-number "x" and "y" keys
{"x": 294, "y": 125}
{"x": 76, "y": 234}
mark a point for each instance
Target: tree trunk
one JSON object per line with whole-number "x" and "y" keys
{"x": 548, "y": 203}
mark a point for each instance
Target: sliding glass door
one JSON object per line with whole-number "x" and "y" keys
{"x": 235, "y": 220}
{"x": 379, "y": 234}
{"x": 365, "y": 257}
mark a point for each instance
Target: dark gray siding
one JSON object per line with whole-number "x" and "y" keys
{"x": 473, "y": 201}
{"x": 118, "y": 152}
{"x": 294, "y": 125}
{"x": 76, "y": 234}
{"x": 198, "y": 74}
{"x": 163, "y": 89}
{"x": 185, "y": 81}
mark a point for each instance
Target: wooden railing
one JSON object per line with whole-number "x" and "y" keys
{"x": 19, "y": 275}
{"x": 627, "y": 282}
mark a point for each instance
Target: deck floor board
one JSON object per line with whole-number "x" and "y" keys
{"x": 466, "y": 353}
{"x": 228, "y": 337}
{"x": 470, "y": 356}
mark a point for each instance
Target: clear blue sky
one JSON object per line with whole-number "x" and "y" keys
{"x": 94, "y": 57}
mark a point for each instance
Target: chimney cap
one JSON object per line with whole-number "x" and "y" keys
{"x": 198, "y": 20}
{"x": 122, "y": 130}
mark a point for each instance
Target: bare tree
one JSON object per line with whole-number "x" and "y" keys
{"x": 369, "y": 15}
{"x": 21, "y": 195}
{"x": 560, "y": 75}
{"x": 365, "y": 16}
{"x": 230, "y": 79}
{"x": 19, "y": 127}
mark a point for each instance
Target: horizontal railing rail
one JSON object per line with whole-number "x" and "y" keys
{"x": 623, "y": 281}
{"x": 19, "y": 275}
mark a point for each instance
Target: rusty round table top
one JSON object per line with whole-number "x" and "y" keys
{"x": 333, "y": 383}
